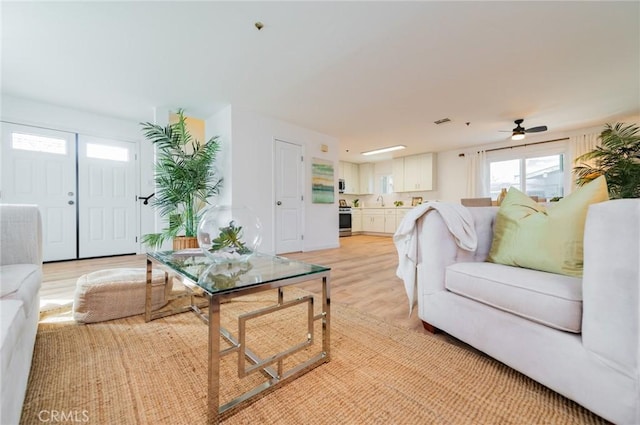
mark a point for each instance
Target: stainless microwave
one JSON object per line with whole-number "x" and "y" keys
{"x": 341, "y": 185}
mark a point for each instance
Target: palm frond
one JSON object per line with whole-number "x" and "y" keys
{"x": 154, "y": 240}
{"x": 617, "y": 158}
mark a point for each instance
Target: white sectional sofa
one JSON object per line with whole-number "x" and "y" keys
{"x": 20, "y": 280}
{"x": 578, "y": 336}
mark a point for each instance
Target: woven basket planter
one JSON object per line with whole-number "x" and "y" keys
{"x": 184, "y": 242}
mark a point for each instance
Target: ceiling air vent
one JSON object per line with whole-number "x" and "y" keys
{"x": 442, "y": 121}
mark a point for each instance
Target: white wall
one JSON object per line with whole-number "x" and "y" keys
{"x": 23, "y": 111}
{"x": 249, "y": 174}
{"x": 452, "y": 176}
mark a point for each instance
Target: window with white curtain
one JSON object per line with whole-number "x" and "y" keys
{"x": 537, "y": 171}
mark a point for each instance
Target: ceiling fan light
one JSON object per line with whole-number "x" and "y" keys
{"x": 517, "y": 136}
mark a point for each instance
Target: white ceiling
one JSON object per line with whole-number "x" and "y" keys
{"x": 372, "y": 74}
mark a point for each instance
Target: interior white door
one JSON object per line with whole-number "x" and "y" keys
{"x": 289, "y": 197}
{"x": 107, "y": 197}
{"x": 38, "y": 167}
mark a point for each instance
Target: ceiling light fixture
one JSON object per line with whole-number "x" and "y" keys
{"x": 383, "y": 150}
{"x": 517, "y": 136}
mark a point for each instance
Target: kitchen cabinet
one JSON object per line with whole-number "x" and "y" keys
{"x": 349, "y": 172}
{"x": 378, "y": 220}
{"x": 419, "y": 172}
{"x": 359, "y": 179}
{"x": 373, "y": 220}
{"x": 367, "y": 179}
{"x": 400, "y": 213}
{"x": 414, "y": 173}
{"x": 397, "y": 171}
{"x": 356, "y": 220}
{"x": 390, "y": 221}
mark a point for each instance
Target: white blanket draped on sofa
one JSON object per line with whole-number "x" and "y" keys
{"x": 458, "y": 221}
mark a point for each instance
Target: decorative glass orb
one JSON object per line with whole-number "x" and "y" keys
{"x": 227, "y": 234}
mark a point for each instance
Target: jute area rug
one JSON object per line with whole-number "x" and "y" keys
{"x": 127, "y": 371}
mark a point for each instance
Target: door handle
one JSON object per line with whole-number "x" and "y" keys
{"x": 145, "y": 199}
{"x": 279, "y": 203}
{"x": 70, "y": 202}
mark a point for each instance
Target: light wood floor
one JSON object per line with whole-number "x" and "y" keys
{"x": 362, "y": 276}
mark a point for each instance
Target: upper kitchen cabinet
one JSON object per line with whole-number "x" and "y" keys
{"x": 349, "y": 172}
{"x": 418, "y": 173}
{"x": 398, "y": 174}
{"x": 367, "y": 179}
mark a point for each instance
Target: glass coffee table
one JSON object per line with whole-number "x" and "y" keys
{"x": 221, "y": 282}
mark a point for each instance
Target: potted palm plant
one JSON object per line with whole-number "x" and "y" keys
{"x": 185, "y": 180}
{"x": 617, "y": 158}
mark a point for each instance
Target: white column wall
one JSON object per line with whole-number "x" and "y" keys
{"x": 249, "y": 174}
{"x": 220, "y": 125}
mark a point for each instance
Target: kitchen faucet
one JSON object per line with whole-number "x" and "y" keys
{"x": 381, "y": 199}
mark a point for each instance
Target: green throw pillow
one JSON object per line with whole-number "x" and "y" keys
{"x": 529, "y": 234}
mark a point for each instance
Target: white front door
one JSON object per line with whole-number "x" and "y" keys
{"x": 38, "y": 167}
{"x": 107, "y": 197}
{"x": 288, "y": 195}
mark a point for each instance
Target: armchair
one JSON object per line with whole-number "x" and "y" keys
{"x": 578, "y": 336}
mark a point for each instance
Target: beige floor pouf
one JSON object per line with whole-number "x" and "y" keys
{"x": 115, "y": 293}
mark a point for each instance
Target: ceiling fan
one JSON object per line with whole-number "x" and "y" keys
{"x": 519, "y": 132}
